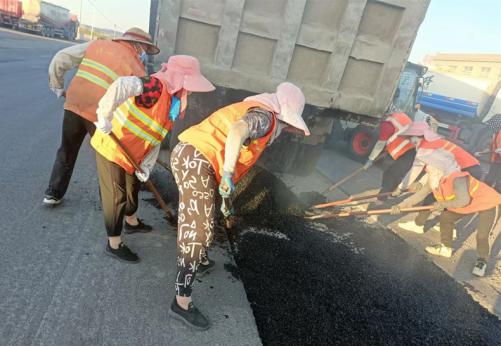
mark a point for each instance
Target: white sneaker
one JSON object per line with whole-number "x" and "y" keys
{"x": 51, "y": 201}
{"x": 439, "y": 250}
{"x": 411, "y": 226}
{"x": 479, "y": 269}
{"x": 454, "y": 231}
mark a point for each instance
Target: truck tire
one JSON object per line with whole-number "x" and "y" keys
{"x": 360, "y": 142}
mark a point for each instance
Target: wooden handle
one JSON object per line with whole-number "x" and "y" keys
{"x": 170, "y": 215}
{"x": 351, "y": 199}
{"x": 344, "y": 180}
{"x": 369, "y": 212}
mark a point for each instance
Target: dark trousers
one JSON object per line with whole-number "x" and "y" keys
{"x": 395, "y": 173}
{"x": 486, "y": 223}
{"x": 422, "y": 216}
{"x": 119, "y": 194}
{"x": 494, "y": 176}
{"x": 196, "y": 183}
{"x": 73, "y": 133}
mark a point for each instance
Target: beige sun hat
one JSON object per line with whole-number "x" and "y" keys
{"x": 140, "y": 36}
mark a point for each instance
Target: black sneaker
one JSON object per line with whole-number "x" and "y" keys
{"x": 51, "y": 200}
{"x": 141, "y": 227}
{"x": 204, "y": 268}
{"x": 191, "y": 317}
{"x": 123, "y": 253}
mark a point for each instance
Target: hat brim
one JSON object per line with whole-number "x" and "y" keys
{"x": 297, "y": 122}
{"x": 150, "y": 50}
{"x": 198, "y": 83}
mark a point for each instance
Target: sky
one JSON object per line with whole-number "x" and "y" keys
{"x": 459, "y": 26}
{"x": 107, "y": 13}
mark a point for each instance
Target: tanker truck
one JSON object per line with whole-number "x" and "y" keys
{"x": 46, "y": 19}
{"x": 347, "y": 56}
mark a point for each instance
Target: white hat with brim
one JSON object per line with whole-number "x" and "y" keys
{"x": 139, "y": 36}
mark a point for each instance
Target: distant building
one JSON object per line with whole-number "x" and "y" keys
{"x": 472, "y": 77}
{"x": 484, "y": 67}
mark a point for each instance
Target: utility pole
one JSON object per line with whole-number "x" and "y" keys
{"x": 80, "y": 21}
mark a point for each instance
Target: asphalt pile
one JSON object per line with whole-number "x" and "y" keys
{"x": 343, "y": 281}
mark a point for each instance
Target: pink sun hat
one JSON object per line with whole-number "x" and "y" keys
{"x": 183, "y": 72}
{"x": 421, "y": 129}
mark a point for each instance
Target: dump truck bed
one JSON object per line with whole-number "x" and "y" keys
{"x": 345, "y": 55}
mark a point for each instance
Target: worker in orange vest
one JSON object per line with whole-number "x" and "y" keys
{"x": 400, "y": 149}
{"x": 99, "y": 63}
{"x": 458, "y": 195}
{"x": 427, "y": 141}
{"x": 494, "y": 176}
{"x": 140, "y": 112}
{"x": 220, "y": 151}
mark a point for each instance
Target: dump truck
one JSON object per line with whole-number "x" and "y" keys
{"x": 10, "y": 12}
{"x": 46, "y": 19}
{"x": 346, "y": 55}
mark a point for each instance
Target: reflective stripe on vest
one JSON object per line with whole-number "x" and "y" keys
{"x": 92, "y": 77}
{"x": 139, "y": 129}
{"x": 401, "y": 122}
{"x": 399, "y": 147}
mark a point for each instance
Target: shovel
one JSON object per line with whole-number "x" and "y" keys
{"x": 168, "y": 213}
{"x": 351, "y": 199}
{"x": 330, "y": 215}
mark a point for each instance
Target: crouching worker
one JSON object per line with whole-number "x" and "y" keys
{"x": 458, "y": 195}
{"x": 220, "y": 151}
{"x": 140, "y": 112}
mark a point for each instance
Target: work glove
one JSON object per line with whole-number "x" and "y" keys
{"x": 104, "y": 125}
{"x": 438, "y": 207}
{"x": 395, "y": 210}
{"x": 226, "y": 187}
{"x": 415, "y": 187}
{"x": 143, "y": 176}
{"x": 58, "y": 92}
{"x": 368, "y": 164}
{"x": 397, "y": 192}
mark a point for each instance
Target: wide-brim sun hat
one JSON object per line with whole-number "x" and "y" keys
{"x": 183, "y": 72}
{"x": 140, "y": 36}
{"x": 287, "y": 103}
{"x": 421, "y": 129}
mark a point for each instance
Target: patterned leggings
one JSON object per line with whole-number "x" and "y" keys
{"x": 196, "y": 183}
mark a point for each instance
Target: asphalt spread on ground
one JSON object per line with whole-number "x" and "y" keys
{"x": 343, "y": 281}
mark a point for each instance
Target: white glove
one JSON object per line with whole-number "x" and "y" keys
{"x": 58, "y": 92}
{"x": 143, "y": 177}
{"x": 104, "y": 125}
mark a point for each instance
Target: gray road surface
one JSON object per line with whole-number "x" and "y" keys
{"x": 56, "y": 285}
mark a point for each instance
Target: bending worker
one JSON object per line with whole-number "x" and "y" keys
{"x": 494, "y": 176}
{"x": 140, "y": 112}
{"x": 99, "y": 64}
{"x": 427, "y": 142}
{"x": 221, "y": 150}
{"x": 458, "y": 195}
{"x": 399, "y": 148}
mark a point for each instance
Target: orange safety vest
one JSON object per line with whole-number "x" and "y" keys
{"x": 397, "y": 145}
{"x": 103, "y": 62}
{"x": 483, "y": 197}
{"x": 496, "y": 144}
{"x": 209, "y": 137}
{"x": 138, "y": 128}
{"x": 463, "y": 158}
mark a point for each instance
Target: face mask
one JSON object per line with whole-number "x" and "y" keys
{"x": 175, "y": 108}
{"x": 143, "y": 57}
{"x": 415, "y": 140}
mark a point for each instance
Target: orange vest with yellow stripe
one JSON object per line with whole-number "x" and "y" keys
{"x": 496, "y": 144}
{"x": 209, "y": 137}
{"x": 103, "y": 62}
{"x": 139, "y": 129}
{"x": 482, "y": 196}
{"x": 463, "y": 158}
{"x": 396, "y": 145}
